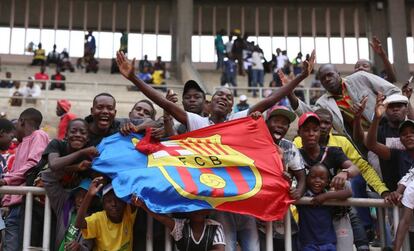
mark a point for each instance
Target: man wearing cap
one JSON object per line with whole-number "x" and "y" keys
{"x": 242, "y": 105}
{"x": 278, "y": 121}
{"x": 63, "y": 111}
{"x": 396, "y": 111}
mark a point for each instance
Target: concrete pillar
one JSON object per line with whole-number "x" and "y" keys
{"x": 377, "y": 27}
{"x": 183, "y": 32}
{"x": 398, "y": 30}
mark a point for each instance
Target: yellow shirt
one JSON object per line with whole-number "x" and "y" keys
{"x": 367, "y": 171}
{"x": 157, "y": 77}
{"x": 108, "y": 235}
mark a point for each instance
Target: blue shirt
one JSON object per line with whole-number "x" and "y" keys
{"x": 315, "y": 224}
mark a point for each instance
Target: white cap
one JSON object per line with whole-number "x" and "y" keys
{"x": 396, "y": 98}
{"x": 243, "y": 97}
{"x": 107, "y": 189}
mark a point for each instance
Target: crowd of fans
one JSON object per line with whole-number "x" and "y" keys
{"x": 357, "y": 140}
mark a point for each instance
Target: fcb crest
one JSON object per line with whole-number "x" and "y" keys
{"x": 205, "y": 169}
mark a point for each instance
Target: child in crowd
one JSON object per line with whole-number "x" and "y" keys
{"x": 316, "y": 229}
{"x": 33, "y": 141}
{"x": 193, "y": 233}
{"x": 65, "y": 205}
{"x": 112, "y": 228}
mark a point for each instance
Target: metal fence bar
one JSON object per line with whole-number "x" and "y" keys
{"x": 149, "y": 246}
{"x": 27, "y": 221}
{"x": 288, "y": 232}
{"x": 381, "y": 223}
{"x": 269, "y": 236}
{"x": 168, "y": 245}
{"x": 47, "y": 225}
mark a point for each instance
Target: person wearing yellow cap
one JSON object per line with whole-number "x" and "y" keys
{"x": 62, "y": 110}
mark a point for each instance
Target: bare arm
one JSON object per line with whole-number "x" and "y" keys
{"x": 127, "y": 69}
{"x": 65, "y": 163}
{"x": 94, "y": 188}
{"x": 164, "y": 219}
{"x": 371, "y": 143}
{"x": 407, "y": 91}
{"x": 276, "y": 96}
{"x": 219, "y": 247}
{"x": 341, "y": 194}
{"x": 389, "y": 69}
{"x": 358, "y": 109}
{"x": 301, "y": 179}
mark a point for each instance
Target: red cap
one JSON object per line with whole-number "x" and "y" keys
{"x": 306, "y": 116}
{"x": 64, "y": 104}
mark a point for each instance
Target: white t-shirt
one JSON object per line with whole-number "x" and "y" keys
{"x": 177, "y": 232}
{"x": 281, "y": 61}
{"x": 33, "y": 92}
{"x": 229, "y": 46}
{"x": 195, "y": 121}
{"x": 257, "y": 61}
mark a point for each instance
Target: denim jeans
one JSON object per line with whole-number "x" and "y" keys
{"x": 257, "y": 79}
{"x": 220, "y": 59}
{"x": 359, "y": 190}
{"x": 11, "y": 238}
{"x": 360, "y": 236}
{"x": 239, "y": 228}
{"x": 322, "y": 247}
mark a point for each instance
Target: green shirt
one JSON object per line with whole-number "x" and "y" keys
{"x": 71, "y": 232}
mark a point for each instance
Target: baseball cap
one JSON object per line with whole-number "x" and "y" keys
{"x": 404, "y": 124}
{"x": 306, "y": 116}
{"x": 243, "y": 97}
{"x": 281, "y": 110}
{"x": 192, "y": 84}
{"x": 107, "y": 189}
{"x": 396, "y": 98}
{"x": 84, "y": 184}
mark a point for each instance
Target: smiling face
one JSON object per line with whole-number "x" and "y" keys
{"x": 141, "y": 110}
{"x": 193, "y": 101}
{"x": 330, "y": 79}
{"x": 103, "y": 112}
{"x": 407, "y": 137}
{"x": 278, "y": 127}
{"x": 77, "y": 134}
{"x": 317, "y": 179}
{"x": 114, "y": 207}
{"x": 222, "y": 101}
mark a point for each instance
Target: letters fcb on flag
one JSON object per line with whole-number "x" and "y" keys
{"x": 233, "y": 166}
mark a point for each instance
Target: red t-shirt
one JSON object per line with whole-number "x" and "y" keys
{"x": 41, "y": 76}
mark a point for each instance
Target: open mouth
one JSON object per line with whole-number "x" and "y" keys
{"x": 221, "y": 104}
{"x": 277, "y": 135}
{"x": 104, "y": 121}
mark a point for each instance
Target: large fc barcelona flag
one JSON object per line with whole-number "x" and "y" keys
{"x": 233, "y": 166}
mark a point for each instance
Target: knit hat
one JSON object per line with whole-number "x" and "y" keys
{"x": 64, "y": 104}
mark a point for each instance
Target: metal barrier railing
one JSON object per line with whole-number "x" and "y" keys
{"x": 30, "y": 191}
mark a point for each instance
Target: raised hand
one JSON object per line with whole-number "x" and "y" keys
{"x": 96, "y": 186}
{"x": 256, "y": 115}
{"x": 407, "y": 90}
{"x": 358, "y": 108}
{"x": 282, "y": 77}
{"x": 377, "y": 46}
{"x": 380, "y": 106}
{"x": 171, "y": 96}
{"x": 126, "y": 68}
{"x": 309, "y": 64}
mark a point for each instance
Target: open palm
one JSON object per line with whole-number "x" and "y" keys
{"x": 126, "y": 68}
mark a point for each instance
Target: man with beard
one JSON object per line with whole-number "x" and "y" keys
{"x": 278, "y": 121}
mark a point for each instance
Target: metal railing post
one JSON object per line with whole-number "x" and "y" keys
{"x": 47, "y": 84}
{"x": 27, "y": 221}
{"x": 269, "y": 236}
{"x": 288, "y": 232}
{"x": 46, "y": 225}
{"x": 381, "y": 222}
{"x": 168, "y": 246}
{"x": 149, "y": 238}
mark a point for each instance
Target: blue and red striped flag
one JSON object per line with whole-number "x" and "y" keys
{"x": 233, "y": 166}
